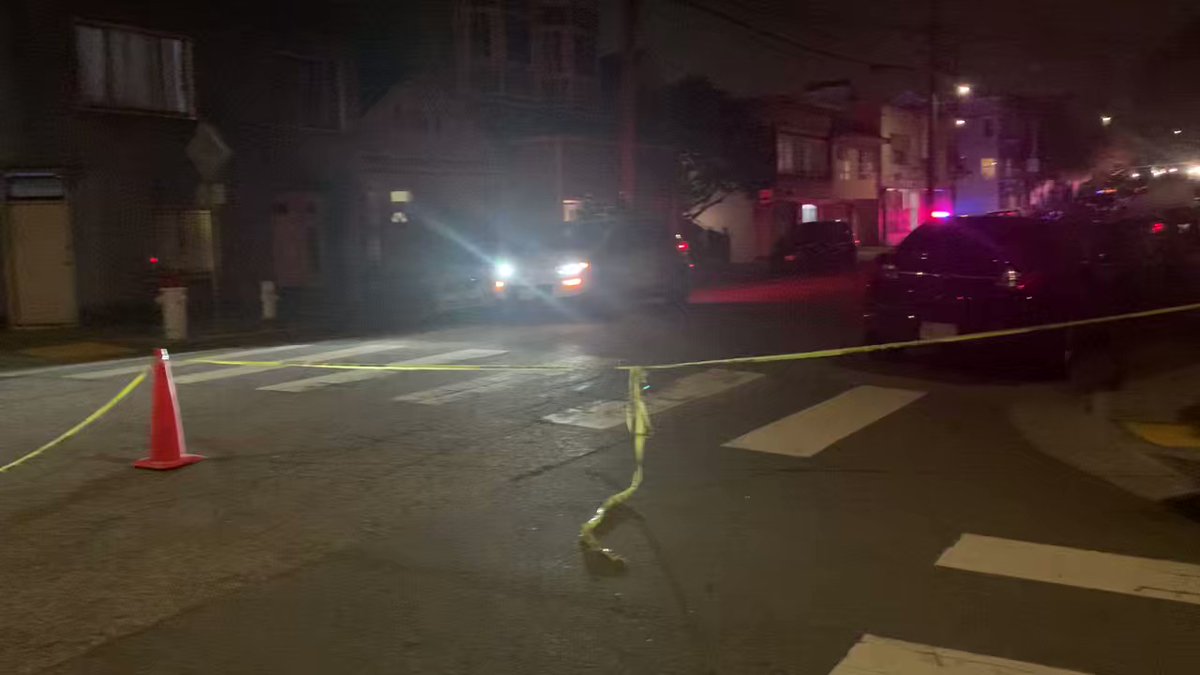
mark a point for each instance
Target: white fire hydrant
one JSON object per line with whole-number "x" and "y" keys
{"x": 173, "y": 300}
{"x": 269, "y": 299}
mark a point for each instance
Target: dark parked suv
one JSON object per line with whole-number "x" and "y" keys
{"x": 813, "y": 246}
{"x": 987, "y": 273}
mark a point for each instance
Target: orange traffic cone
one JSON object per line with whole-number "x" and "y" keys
{"x": 167, "y": 447}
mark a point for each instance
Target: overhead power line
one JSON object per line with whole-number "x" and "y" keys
{"x": 789, "y": 41}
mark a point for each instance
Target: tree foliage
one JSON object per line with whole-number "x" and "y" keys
{"x": 723, "y": 148}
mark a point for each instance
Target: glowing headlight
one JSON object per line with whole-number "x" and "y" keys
{"x": 571, "y": 269}
{"x": 504, "y": 270}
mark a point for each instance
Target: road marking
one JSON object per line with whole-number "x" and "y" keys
{"x": 129, "y": 370}
{"x": 1145, "y": 577}
{"x": 608, "y": 414}
{"x": 811, "y": 430}
{"x": 319, "y": 357}
{"x": 310, "y": 383}
{"x": 488, "y": 384}
{"x": 873, "y": 655}
{"x": 1167, "y": 435}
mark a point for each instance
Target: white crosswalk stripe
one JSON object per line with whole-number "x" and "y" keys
{"x": 1144, "y": 577}
{"x": 808, "y": 432}
{"x": 608, "y": 414}
{"x": 344, "y": 377}
{"x": 496, "y": 382}
{"x": 319, "y": 357}
{"x": 223, "y": 356}
{"x": 873, "y": 655}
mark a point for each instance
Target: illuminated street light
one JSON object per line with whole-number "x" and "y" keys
{"x": 960, "y": 122}
{"x": 1193, "y": 171}
{"x": 963, "y": 89}
{"x": 1173, "y": 169}
{"x": 1106, "y": 120}
{"x": 1135, "y": 174}
{"x": 1177, "y": 132}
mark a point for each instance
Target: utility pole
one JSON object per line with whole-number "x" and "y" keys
{"x": 627, "y": 139}
{"x": 931, "y": 132}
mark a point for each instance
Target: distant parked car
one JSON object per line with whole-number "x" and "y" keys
{"x": 814, "y": 246}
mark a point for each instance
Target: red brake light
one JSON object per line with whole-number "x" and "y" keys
{"x": 682, "y": 246}
{"x": 1158, "y": 228}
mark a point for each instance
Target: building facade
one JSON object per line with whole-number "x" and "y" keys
{"x": 903, "y": 189}
{"x": 999, "y": 155}
{"x": 146, "y": 146}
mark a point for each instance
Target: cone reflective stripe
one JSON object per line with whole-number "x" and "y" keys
{"x": 167, "y": 447}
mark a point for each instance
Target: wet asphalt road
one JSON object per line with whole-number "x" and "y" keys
{"x": 427, "y": 522}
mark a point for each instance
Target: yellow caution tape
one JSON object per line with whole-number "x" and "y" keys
{"x": 967, "y": 337}
{"x": 101, "y": 412}
{"x": 384, "y": 367}
{"x": 637, "y": 420}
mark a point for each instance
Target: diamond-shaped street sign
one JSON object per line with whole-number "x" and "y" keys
{"x": 208, "y": 151}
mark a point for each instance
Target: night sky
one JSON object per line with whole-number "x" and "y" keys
{"x": 1086, "y": 48}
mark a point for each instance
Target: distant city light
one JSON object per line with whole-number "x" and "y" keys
{"x": 1156, "y": 172}
{"x": 1193, "y": 170}
{"x": 1177, "y": 132}
{"x": 963, "y": 89}
{"x": 960, "y": 122}
{"x": 1173, "y": 169}
{"x": 1106, "y": 120}
{"x": 1135, "y": 175}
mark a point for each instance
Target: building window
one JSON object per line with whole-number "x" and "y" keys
{"x": 866, "y": 165}
{"x": 801, "y": 156}
{"x": 901, "y": 147}
{"x": 306, "y": 92}
{"x": 585, "y": 54}
{"x": 808, "y": 213}
{"x": 481, "y": 36}
{"x": 848, "y": 163}
{"x": 785, "y": 158}
{"x": 987, "y": 168}
{"x": 516, "y": 35}
{"x": 571, "y": 210}
{"x": 552, "y": 52}
{"x": 127, "y": 69}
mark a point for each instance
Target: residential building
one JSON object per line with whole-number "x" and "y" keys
{"x": 826, "y": 168}
{"x": 144, "y": 143}
{"x": 903, "y": 200}
{"x": 998, "y": 149}
{"x": 539, "y": 51}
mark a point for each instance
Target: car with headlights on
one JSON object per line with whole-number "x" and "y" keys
{"x": 608, "y": 264}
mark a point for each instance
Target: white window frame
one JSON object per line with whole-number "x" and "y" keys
{"x": 188, "y": 71}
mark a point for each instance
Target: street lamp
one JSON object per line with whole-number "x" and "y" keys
{"x": 1177, "y": 131}
{"x": 1106, "y": 120}
{"x": 960, "y": 122}
{"x": 963, "y": 89}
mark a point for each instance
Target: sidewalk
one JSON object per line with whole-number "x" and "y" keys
{"x": 1158, "y": 406}
{"x": 31, "y": 348}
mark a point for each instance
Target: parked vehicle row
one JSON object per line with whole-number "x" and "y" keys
{"x": 984, "y": 273}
